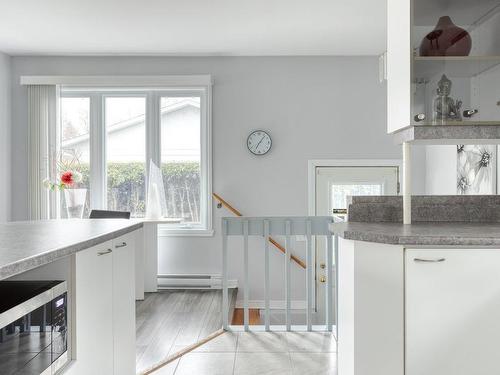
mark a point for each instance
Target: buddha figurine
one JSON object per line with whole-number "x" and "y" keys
{"x": 445, "y": 107}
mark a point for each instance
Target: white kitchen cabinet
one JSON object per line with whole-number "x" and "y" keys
{"x": 452, "y": 311}
{"x": 124, "y": 305}
{"x": 425, "y": 40}
{"x": 93, "y": 306}
{"x": 104, "y": 309}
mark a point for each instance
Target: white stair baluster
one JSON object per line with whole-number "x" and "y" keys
{"x": 266, "y": 271}
{"x": 245, "y": 286}
{"x": 309, "y": 276}
{"x": 287, "y": 274}
{"x": 225, "y": 301}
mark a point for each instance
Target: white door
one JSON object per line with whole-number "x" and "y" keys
{"x": 93, "y": 315}
{"x": 452, "y": 312}
{"x": 333, "y": 186}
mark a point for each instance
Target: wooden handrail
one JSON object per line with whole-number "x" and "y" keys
{"x": 227, "y": 205}
{"x": 271, "y": 240}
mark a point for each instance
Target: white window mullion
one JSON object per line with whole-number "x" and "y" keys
{"x": 97, "y": 153}
{"x": 206, "y": 157}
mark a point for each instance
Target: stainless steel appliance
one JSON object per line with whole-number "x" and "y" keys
{"x": 33, "y": 327}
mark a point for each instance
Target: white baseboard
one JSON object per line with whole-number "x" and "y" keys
{"x": 193, "y": 281}
{"x": 273, "y": 304}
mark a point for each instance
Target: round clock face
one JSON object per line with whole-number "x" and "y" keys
{"x": 259, "y": 142}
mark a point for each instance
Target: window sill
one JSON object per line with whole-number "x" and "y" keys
{"x": 179, "y": 232}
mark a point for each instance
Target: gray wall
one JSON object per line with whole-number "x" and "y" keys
{"x": 314, "y": 108}
{"x": 5, "y": 129}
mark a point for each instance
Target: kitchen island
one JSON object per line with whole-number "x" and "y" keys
{"x": 422, "y": 298}
{"x": 96, "y": 259}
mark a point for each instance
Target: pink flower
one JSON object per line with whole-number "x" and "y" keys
{"x": 67, "y": 178}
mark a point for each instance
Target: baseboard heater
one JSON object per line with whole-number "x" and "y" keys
{"x": 192, "y": 281}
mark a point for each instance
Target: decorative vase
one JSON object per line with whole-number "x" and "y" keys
{"x": 75, "y": 202}
{"x": 447, "y": 39}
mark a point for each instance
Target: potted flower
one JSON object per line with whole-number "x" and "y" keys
{"x": 69, "y": 178}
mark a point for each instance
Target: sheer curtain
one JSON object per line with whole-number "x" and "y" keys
{"x": 42, "y": 134}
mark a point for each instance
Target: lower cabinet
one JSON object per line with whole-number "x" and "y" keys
{"x": 104, "y": 309}
{"x": 452, "y": 311}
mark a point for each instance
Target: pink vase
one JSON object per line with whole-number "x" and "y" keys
{"x": 447, "y": 39}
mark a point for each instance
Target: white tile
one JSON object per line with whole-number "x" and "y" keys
{"x": 314, "y": 363}
{"x": 223, "y": 343}
{"x": 262, "y": 364}
{"x": 168, "y": 369}
{"x": 206, "y": 364}
{"x": 261, "y": 342}
{"x": 313, "y": 342}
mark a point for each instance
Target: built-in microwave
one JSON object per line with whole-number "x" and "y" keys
{"x": 33, "y": 327}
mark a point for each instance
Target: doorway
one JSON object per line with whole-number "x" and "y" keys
{"x": 330, "y": 185}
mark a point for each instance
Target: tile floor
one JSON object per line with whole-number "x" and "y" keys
{"x": 260, "y": 353}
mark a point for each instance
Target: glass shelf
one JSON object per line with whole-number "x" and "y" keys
{"x": 453, "y": 66}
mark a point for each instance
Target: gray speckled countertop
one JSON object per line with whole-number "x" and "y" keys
{"x": 422, "y": 234}
{"x": 30, "y": 244}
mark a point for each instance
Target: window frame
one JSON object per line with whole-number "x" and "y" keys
{"x": 153, "y": 95}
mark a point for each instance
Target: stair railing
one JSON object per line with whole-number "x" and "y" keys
{"x": 309, "y": 226}
{"x": 276, "y": 244}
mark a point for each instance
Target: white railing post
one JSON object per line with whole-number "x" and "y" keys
{"x": 245, "y": 286}
{"x": 267, "y": 317}
{"x": 336, "y": 256}
{"x": 309, "y": 276}
{"x": 225, "y": 301}
{"x": 329, "y": 282}
{"x": 287, "y": 275}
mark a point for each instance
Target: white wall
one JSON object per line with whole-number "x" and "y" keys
{"x": 5, "y": 134}
{"x": 313, "y": 107}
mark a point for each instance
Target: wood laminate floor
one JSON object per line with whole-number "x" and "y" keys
{"x": 168, "y": 321}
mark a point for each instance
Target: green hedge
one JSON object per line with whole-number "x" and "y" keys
{"x": 126, "y": 188}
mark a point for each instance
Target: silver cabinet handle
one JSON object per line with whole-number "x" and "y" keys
{"x": 435, "y": 260}
{"x": 104, "y": 252}
{"x": 123, "y": 244}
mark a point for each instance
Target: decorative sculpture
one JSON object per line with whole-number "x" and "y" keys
{"x": 445, "y": 108}
{"x": 447, "y": 39}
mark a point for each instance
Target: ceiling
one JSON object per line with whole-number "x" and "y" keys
{"x": 192, "y": 27}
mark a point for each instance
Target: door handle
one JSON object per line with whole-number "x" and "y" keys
{"x": 100, "y": 253}
{"x": 123, "y": 244}
{"x": 435, "y": 260}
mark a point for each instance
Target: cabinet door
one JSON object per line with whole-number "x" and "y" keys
{"x": 93, "y": 311}
{"x": 452, "y": 312}
{"x": 124, "y": 304}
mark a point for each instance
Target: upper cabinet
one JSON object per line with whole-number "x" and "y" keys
{"x": 443, "y": 63}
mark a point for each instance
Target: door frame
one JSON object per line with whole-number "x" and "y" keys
{"x": 311, "y": 191}
{"x": 313, "y": 164}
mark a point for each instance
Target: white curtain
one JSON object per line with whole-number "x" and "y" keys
{"x": 42, "y": 129}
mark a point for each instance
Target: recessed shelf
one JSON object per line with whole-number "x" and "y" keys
{"x": 461, "y": 123}
{"x": 453, "y": 66}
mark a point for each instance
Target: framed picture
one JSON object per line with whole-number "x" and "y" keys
{"x": 476, "y": 169}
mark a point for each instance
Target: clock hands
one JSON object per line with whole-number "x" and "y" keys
{"x": 258, "y": 144}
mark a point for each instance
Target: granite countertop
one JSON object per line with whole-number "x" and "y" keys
{"x": 29, "y": 244}
{"x": 422, "y": 234}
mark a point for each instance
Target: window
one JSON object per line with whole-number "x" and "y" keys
{"x": 125, "y": 123}
{"x": 181, "y": 156}
{"x": 116, "y": 132}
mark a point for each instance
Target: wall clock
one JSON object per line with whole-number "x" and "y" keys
{"x": 259, "y": 142}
